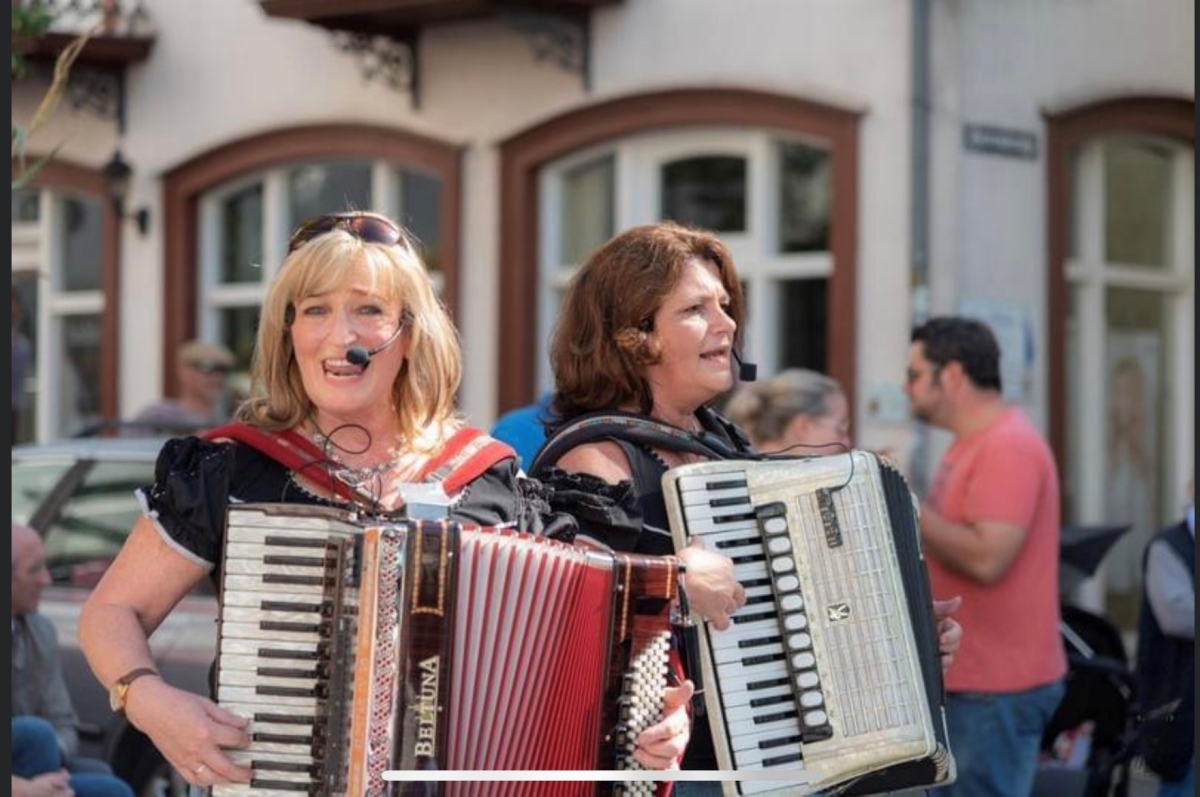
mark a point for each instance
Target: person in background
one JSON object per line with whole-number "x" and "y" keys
{"x": 355, "y": 376}
{"x": 44, "y": 722}
{"x": 796, "y": 412}
{"x": 524, "y": 429}
{"x": 1166, "y": 658}
{"x": 990, "y": 531}
{"x": 201, "y": 371}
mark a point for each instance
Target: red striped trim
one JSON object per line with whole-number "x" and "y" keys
{"x": 466, "y": 456}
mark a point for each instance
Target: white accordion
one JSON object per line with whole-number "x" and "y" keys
{"x": 832, "y": 667}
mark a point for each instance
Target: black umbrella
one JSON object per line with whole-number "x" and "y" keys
{"x": 1083, "y": 548}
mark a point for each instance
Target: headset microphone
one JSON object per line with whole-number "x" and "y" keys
{"x": 747, "y": 372}
{"x": 357, "y": 355}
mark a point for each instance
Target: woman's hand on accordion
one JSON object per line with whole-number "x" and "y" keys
{"x": 713, "y": 591}
{"x": 949, "y": 630}
{"x": 192, "y": 733}
{"x": 661, "y": 745}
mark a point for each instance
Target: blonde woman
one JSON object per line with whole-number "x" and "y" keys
{"x": 352, "y": 403}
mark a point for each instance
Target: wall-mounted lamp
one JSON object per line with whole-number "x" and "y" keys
{"x": 116, "y": 178}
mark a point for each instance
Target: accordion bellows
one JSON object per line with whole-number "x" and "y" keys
{"x": 356, "y": 648}
{"x": 832, "y": 667}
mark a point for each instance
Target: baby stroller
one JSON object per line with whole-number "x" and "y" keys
{"x": 1090, "y": 741}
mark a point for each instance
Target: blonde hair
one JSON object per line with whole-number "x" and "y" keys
{"x": 765, "y": 409}
{"x": 426, "y": 387}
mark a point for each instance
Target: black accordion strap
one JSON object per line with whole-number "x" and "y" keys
{"x": 641, "y": 430}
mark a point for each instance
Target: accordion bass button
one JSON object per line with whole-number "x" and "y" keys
{"x": 799, "y": 641}
{"x": 815, "y": 719}
{"x": 807, "y": 680}
{"x": 795, "y": 622}
{"x": 788, "y": 584}
{"x": 791, "y": 603}
{"x": 775, "y": 525}
{"x": 804, "y": 661}
{"x": 811, "y": 699}
{"x": 779, "y": 544}
{"x": 782, "y": 564}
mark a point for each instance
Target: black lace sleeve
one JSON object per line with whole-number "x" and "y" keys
{"x": 606, "y": 512}
{"x": 503, "y": 497}
{"x": 191, "y": 493}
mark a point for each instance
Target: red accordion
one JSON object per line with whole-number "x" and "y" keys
{"x": 356, "y": 647}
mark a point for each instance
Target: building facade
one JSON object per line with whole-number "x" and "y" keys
{"x": 869, "y": 162}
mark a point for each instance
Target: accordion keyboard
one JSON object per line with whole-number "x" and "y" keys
{"x": 277, "y": 654}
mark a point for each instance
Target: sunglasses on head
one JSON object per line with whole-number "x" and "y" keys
{"x": 207, "y": 367}
{"x": 369, "y": 227}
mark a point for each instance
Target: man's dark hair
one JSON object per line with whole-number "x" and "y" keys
{"x": 965, "y": 341}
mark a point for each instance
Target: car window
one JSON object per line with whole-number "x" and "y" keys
{"x": 92, "y": 524}
{"x": 31, "y": 481}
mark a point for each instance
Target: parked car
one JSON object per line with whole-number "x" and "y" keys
{"x": 79, "y": 494}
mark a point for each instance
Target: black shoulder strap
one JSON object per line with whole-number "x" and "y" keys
{"x": 635, "y": 429}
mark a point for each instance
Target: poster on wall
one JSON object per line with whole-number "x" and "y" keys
{"x": 1131, "y": 449}
{"x": 1009, "y": 322}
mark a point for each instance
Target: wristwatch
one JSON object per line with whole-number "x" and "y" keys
{"x": 119, "y": 691}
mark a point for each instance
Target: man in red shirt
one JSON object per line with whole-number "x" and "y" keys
{"x": 990, "y": 529}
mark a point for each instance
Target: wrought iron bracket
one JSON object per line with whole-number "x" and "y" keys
{"x": 564, "y": 39}
{"x": 390, "y": 58}
{"x": 100, "y": 91}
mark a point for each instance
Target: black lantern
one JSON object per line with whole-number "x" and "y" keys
{"x": 117, "y": 173}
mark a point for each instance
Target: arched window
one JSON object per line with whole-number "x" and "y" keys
{"x": 1122, "y": 299}
{"x": 64, "y": 304}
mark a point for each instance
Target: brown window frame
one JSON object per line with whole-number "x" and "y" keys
{"x": 60, "y": 175}
{"x": 1066, "y": 130}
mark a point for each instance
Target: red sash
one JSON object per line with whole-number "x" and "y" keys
{"x": 466, "y": 456}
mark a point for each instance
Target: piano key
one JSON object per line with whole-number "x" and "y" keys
{"x": 247, "y": 614}
{"x": 756, "y": 714}
{"x": 702, "y": 527}
{"x": 757, "y": 672}
{"x": 706, "y": 497}
{"x": 255, "y": 631}
{"x": 709, "y": 482}
{"x": 746, "y": 734}
{"x": 300, "y": 574}
{"x": 253, "y": 663}
{"x": 720, "y": 513}
{"x": 720, "y": 539}
{"x": 735, "y": 656}
{"x": 231, "y": 677}
{"x": 753, "y": 757}
{"x": 259, "y": 552}
{"x": 750, "y": 572}
{"x": 279, "y": 716}
{"x": 732, "y": 698}
{"x": 729, "y": 638}
{"x": 255, "y": 600}
{"x": 268, "y": 649}
{"x": 249, "y": 695}
{"x": 252, "y": 582}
